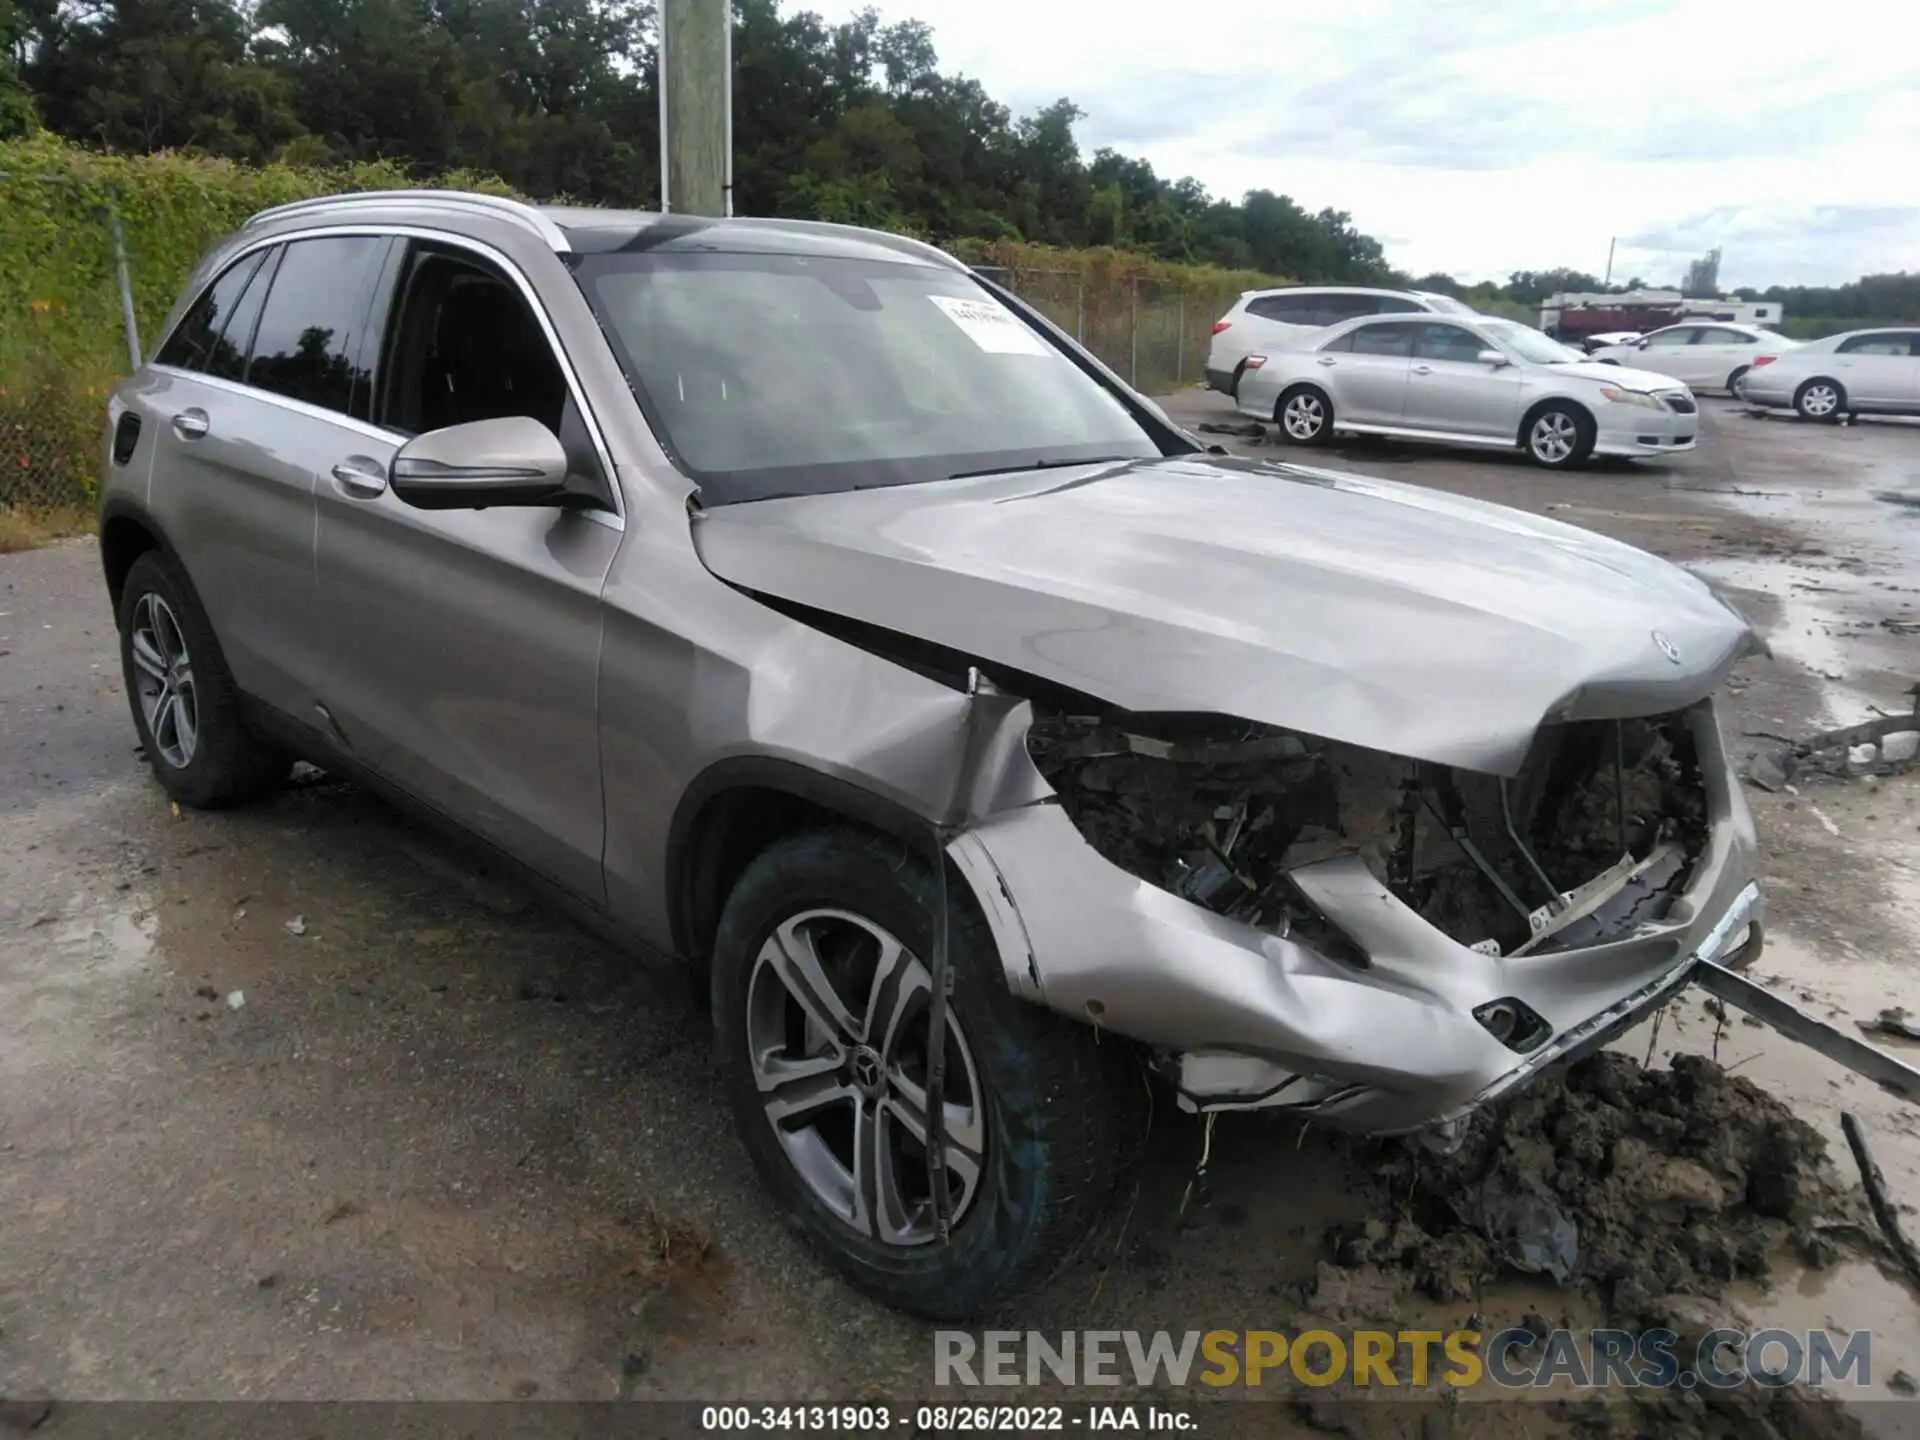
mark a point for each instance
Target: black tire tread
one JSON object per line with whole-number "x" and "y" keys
{"x": 1091, "y": 1115}
{"x": 231, "y": 764}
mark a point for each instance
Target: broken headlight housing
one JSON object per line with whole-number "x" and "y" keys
{"x": 1597, "y": 833}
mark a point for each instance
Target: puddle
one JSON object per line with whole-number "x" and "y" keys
{"x": 1818, "y": 624}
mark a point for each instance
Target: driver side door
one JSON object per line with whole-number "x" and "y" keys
{"x": 463, "y": 645}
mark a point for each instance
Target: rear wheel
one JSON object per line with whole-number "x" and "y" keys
{"x": 1304, "y": 415}
{"x": 185, "y": 706}
{"x": 1558, "y": 436}
{"x": 1737, "y": 379}
{"x": 1821, "y": 400}
{"x": 820, "y": 1006}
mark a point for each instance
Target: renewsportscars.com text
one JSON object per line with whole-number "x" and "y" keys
{"x": 1509, "y": 1359}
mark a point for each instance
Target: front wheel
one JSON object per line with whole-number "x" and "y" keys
{"x": 820, "y": 1007}
{"x": 1820, "y": 400}
{"x": 1304, "y": 415}
{"x": 1558, "y": 437}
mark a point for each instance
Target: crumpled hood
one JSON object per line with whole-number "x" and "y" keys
{"x": 1380, "y": 614}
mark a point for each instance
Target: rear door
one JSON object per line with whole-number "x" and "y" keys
{"x": 463, "y": 645}
{"x": 1366, "y": 372}
{"x": 1450, "y": 388}
{"x": 245, "y": 409}
{"x": 1877, "y": 368}
{"x": 1718, "y": 353}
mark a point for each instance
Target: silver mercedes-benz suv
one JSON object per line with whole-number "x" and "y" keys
{"x": 802, "y": 607}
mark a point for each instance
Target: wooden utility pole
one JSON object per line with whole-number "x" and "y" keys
{"x": 696, "y": 107}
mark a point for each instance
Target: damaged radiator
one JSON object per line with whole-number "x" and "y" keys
{"x": 1596, "y": 834}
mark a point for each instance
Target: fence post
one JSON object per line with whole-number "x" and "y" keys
{"x": 1180, "y": 346}
{"x": 1080, "y": 309}
{"x": 125, "y": 281}
{"x": 1133, "y": 334}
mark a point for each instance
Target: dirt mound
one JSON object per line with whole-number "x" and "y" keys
{"x": 1631, "y": 1183}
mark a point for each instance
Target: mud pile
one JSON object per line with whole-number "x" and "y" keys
{"x": 1633, "y": 1184}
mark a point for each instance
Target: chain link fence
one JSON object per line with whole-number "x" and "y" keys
{"x": 54, "y": 381}
{"x": 1155, "y": 334}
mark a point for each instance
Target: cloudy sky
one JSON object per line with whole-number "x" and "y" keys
{"x": 1483, "y": 136}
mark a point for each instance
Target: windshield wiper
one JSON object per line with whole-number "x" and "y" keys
{"x": 1044, "y": 465}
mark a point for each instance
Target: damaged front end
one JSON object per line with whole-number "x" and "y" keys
{"x": 1382, "y": 942}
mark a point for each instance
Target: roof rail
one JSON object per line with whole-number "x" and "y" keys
{"x": 516, "y": 211}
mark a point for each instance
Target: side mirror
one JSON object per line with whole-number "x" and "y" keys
{"x": 514, "y": 460}
{"x": 1642, "y": 344}
{"x": 1493, "y": 358}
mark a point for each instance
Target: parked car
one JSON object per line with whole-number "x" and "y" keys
{"x": 1266, "y": 320}
{"x": 797, "y": 607}
{"x": 1600, "y": 342}
{"x": 1468, "y": 380}
{"x": 1716, "y": 356}
{"x": 1863, "y": 372}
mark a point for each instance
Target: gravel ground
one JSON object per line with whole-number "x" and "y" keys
{"x": 296, "y": 1102}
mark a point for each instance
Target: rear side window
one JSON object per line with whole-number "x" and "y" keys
{"x": 1394, "y": 305}
{"x": 1886, "y": 342}
{"x": 308, "y": 343}
{"x": 199, "y": 335}
{"x": 1332, "y": 309}
{"x": 1288, "y": 309}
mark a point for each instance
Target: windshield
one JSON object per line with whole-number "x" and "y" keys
{"x": 771, "y": 375}
{"x": 1529, "y": 344}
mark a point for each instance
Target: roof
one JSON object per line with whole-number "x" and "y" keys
{"x": 575, "y": 229}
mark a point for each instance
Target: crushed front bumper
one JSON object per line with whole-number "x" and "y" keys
{"x": 1245, "y": 1018}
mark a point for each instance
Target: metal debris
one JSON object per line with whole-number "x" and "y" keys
{"x": 1884, "y": 745}
{"x": 1892, "y": 1021}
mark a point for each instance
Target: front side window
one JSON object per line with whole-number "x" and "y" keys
{"x": 1391, "y": 340}
{"x": 464, "y": 345}
{"x": 1448, "y": 342}
{"x": 307, "y": 344}
{"x": 773, "y": 374}
{"x": 201, "y": 341}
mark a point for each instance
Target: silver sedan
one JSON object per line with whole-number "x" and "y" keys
{"x": 1479, "y": 381}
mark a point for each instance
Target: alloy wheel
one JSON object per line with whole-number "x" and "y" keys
{"x": 1303, "y": 416}
{"x": 1820, "y": 399}
{"x": 1553, "y": 437}
{"x": 837, "y": 1034}
{"x": 164, "y": 681}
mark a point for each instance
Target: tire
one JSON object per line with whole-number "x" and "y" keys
{"x": 1821, "y": 400}
{"x": 1558, "y": 436}
{"x": 1304, "y": 416}
{"x": 178, "y": 682}
{"x": 1736, "y": 380}
{"x": 1042, "y": 1106}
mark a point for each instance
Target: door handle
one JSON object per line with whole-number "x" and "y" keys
{"x": 1328, "y": 360}
{"x": 190, "y": 424}
{"x": 361, "y": 477}
{"x": 1423, "y": 369}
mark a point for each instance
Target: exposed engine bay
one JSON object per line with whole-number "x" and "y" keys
{"x": 1595, "y": 835}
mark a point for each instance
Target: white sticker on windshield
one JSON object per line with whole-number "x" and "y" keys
{"x": 991, "y": 326}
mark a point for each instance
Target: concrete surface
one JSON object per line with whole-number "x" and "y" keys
{"x": 448, "y": 1146}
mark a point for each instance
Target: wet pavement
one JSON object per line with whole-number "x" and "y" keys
{"x": 440, "y": 1143}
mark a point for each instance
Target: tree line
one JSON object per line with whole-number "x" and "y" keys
{"x": 853, "y": 121}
